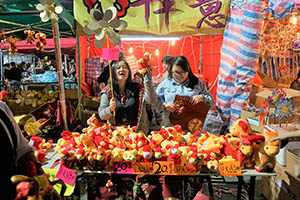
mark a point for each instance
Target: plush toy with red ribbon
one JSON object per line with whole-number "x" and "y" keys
{"x": 145, "y": 62}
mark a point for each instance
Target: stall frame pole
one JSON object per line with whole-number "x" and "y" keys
{"x": 79, "y": 77}
{"x": 61, "y": 86}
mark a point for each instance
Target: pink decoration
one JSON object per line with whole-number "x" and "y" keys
{"x": 110, "y": 54}
{"x": 67, "y": 175}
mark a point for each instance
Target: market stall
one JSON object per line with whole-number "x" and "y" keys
{"x": 244, "y": 134}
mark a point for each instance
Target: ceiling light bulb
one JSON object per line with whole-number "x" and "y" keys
{"x": 157, "y": 52}
{"x": 172, "y": 42}
{"x": 131, "y": 49}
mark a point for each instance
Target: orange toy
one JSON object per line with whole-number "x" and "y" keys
{"x": 265, "y": 159}
{"x": 30, "y": 36}
{"x": 240, "y": 127}
{"x": 12, "y": 44}
{"x": 41, "y": 43}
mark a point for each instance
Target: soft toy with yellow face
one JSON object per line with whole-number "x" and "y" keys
{"x": 265, "y": 158}
{"x": 130, "y": 155}
{"x": 240, "y": 127}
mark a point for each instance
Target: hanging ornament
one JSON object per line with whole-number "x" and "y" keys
{"x": 12, "y": 44}
{"x": 284, "y": 108}
{"x": 42, "y": 42}
{"x": 30, "y": 36}
{"x": 48, "y": 10}
{"x": 105, "y": 25}
{"x": 2, "y": 35}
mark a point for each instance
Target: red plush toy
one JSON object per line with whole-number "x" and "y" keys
{"x": 245, "y": 153}
{"x": 193, "y": 161}
{"x": 3, "y": 95}
{"x": 145, "y": 62}
{"x": 147, "y": 153}
{"x": 174, "y": 155}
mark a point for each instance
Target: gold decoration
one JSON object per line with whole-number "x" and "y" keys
{"x": 105, "y": 25}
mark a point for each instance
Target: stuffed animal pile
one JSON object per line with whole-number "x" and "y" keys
{"x": 101, "y": 144}
{"x": 41, "y": 148}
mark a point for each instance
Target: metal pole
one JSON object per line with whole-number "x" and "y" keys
{"x": 66, "y": 64}
{"x": 79, "y": 78}
{"x": 61, "y": 86}
{"x": 1, "y": 69}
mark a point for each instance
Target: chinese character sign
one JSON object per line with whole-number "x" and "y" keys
{"x": 161, "y": 17}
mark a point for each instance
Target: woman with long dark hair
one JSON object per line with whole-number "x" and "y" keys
{"x": 128, "y": 99}
{"x": 183, "y": 82}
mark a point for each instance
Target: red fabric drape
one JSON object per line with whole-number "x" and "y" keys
{"x": 208, "y": 59}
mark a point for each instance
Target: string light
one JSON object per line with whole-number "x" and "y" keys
{"x": 172, "y": 42}
{"x": 157, "y": 52}
{"x": 131, "y": 49}
{"x": 293, "y": 20}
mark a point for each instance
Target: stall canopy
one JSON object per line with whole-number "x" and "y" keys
{"x": 18, "y": 15}
{"x": 203, "y": 53}
{"x": 67, "y": 45}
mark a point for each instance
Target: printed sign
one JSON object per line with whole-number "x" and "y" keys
{"x": 142, "y": 168}
{"x": 145, "y": 17}
{"x": 67, "y": 175}
{"x": 122, "y": 168}
{"x": 230, "y": 168}
{"x": 184, "y": 170}
{"x": 163, "y": 168}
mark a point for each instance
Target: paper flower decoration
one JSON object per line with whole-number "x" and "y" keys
{"x": 105, "y": 24}
{"x": 277, "y": 96}
{"x": 284, "y": 108}
{"x": 48, "y": 10}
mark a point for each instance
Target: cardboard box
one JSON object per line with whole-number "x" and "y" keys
{"x": 255, "y": 100}
{"x": 267, "y": 81}
{"x": 254, "y": 120}
{"x": 273, "y": 188}
{"x": 293, "y": 161}
{"x": 281, "y": 156}
{"x": 283, "y": 186}
{"x": 284, "y": 82}
{"x": 281, "y": 173}
{"x": 290, "y": 93}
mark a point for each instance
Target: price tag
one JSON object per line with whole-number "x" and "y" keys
{"x": 58, "y": 187}
{"x": 142, "y": 168}
{"x": 163, "y": 167}
{"x": 122, "y": 168}
{"x": 184, "y": 170}
{"x": 230, "y": 168}
{"x": 67, "y": 175}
